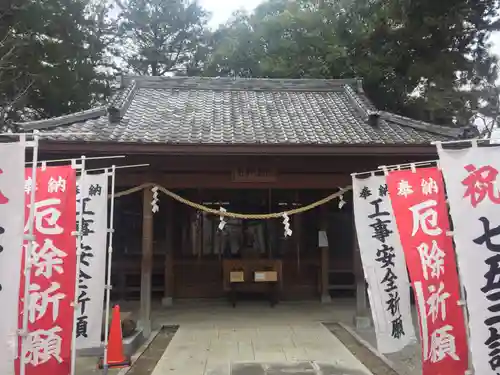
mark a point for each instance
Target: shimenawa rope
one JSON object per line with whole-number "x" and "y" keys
{"x": 235, "y": 215}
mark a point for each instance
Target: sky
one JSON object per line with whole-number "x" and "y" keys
{"x": 222, "y": 9}
{"x": 495, "y": 41}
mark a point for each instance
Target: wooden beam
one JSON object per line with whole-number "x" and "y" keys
{"x": 204, "y": 180}
{"x": 325, "y": 258}
{"x": 361, "y": 319}
{"x": 297, "y": 234}
{"x": 143, "y": 149}
{"x": 169, "y": 255}
{"x": 289, "y": 164}
{"x": 147, "y": 262}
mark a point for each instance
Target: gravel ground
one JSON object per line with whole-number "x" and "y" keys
{"x": 406, "y": 362}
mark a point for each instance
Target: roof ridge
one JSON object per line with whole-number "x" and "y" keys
{"x": 121, "y": 102}
{"x": 363, "y": 106}
{"x": 421, "y": 125}
{"x": 118, "y": 104}
{"x": 363, "y": 103}
{"x": 228, "y": 83}
{"x": 85, "y": 115}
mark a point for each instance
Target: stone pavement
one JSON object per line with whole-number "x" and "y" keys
{"x": 255, "y": 340}
{"x": 297, "y": 368}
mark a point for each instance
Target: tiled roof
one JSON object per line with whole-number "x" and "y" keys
{"x": 240, "y": 111}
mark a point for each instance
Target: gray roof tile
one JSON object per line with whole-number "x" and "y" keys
{"x": 242, "y": 111}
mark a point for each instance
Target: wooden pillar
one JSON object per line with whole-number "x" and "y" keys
{"x": 297, "y": 238}
{"x": 169, "y": 256}
{"x": 325, "y": 258}
{"x": 362, "y": 318}
{"x": 147, "y": 262}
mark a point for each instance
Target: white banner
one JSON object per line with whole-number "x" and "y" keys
{"x": 472, "y": 183}
{"x": 91, "y": 282}
{"x": 383, "y": 264}
{"x": 11, "y": 244}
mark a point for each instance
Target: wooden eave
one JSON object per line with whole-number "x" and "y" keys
{"x": 109, "y": 148}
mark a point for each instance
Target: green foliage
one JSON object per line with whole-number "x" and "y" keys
{"x": 52, "y": 55}
{"x": 163, "y": 36}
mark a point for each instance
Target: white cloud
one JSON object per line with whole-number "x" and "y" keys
{"x": 495, "y": 43}
{"x": 222, "y": 9}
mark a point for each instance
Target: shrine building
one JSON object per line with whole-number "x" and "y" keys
{"x": 253, "y": 146}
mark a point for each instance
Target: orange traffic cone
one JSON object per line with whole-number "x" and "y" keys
{"x": 116, "y": 357}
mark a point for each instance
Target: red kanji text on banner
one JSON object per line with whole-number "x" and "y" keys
{"x": 47, "y": 349}
{"x": 419, "y": 204}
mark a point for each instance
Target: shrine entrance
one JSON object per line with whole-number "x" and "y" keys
{"x": 192, "y": 256}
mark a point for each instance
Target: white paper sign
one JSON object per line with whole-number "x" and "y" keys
{"x": 89, "y": 317}
{"x": 260, "y": 276}
{"x": 11, "y": 244}
{"x": 322, "y": 239}
{"x": 472, "y": 184}
{"x": 384, "y": 265}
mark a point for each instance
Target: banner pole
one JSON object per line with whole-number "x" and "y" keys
{"x": 73, "y": 160}
{"x": 30, "y": 237}
{"x": 108, "y": 275}
{"x": 78, "y": 234}
{"x": 463, "y": 304}
{"x": 118, "y": 167}
{"x": 395, "y": 167}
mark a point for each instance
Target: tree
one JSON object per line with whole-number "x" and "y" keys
{"x": 54, "y": 51}
{"x": 13, "y": 85}
{"x": 163, "y": 36}
{"x": 70, "y": 75}
{"x": 437, "y": 49}
{"x": 280, "y": 39}
{"x": 238, "y": 52}
{"x": 487, "y": 113}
